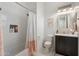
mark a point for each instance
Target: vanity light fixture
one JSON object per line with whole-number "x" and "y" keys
{"x": 66, "y": 12}
{"x": 64, "y": 8}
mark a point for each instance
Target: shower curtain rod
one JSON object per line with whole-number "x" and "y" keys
{"x": 24, "y": 7}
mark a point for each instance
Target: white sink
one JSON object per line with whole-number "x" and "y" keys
{"x": 70, "y": 35}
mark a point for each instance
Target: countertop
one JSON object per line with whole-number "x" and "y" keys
{"x": 68, "y": 35}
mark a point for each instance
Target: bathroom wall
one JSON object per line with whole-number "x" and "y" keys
{"x": 40, "y": 24}
{"x": 44, "y": 11}
{"x": 16, "y": 15}
{"x": 50, "y": 10}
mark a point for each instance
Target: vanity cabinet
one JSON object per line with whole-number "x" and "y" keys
{"x": 66, "y": 45}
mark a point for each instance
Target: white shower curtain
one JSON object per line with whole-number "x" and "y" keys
{"x": 1, "y": 40}
{"x": 2, "y": 25}
{"x": 31, "y": 38}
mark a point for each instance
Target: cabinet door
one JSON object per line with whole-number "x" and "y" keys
{"x": 67, "y": 46}
{"x": 60, "y": 45}
{"x": 71, "y": 46}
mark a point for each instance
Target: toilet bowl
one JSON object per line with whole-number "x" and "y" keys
{"x": 47, "y": 45}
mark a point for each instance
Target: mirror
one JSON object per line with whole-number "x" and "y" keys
{"x": 62, "y": 22}
{"x": 66, "y": 23}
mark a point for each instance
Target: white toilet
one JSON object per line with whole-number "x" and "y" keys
{"x": 47, "y": 46}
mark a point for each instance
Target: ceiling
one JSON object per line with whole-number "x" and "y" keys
{"x": 48, "y": 5}
{"x": 29, "y": 5}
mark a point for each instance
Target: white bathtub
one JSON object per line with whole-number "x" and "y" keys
{"x": 25, "y": 53}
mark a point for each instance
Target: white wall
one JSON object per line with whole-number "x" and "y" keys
{"x": 50, "y": 10}
{"x": 16, "y": 15}
{"x": 40, "y": 24}
{"x": 44, "y": 11}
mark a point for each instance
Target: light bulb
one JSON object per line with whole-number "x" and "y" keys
{"x": 64, "y": 9}
{"x": 70, "y": 8}
{"x": 59, "y": 10}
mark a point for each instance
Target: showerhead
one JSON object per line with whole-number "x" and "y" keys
{"x": 0, "y": 9}
{"x": 27, "y": 14}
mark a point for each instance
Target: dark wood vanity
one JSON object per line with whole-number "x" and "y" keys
{"x": 66, "y": 45}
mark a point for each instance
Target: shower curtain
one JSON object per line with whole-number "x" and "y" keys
{"x": 1, "y": 41}
{"x": 2, "y": 24}
{"x": 31, "y": 38}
